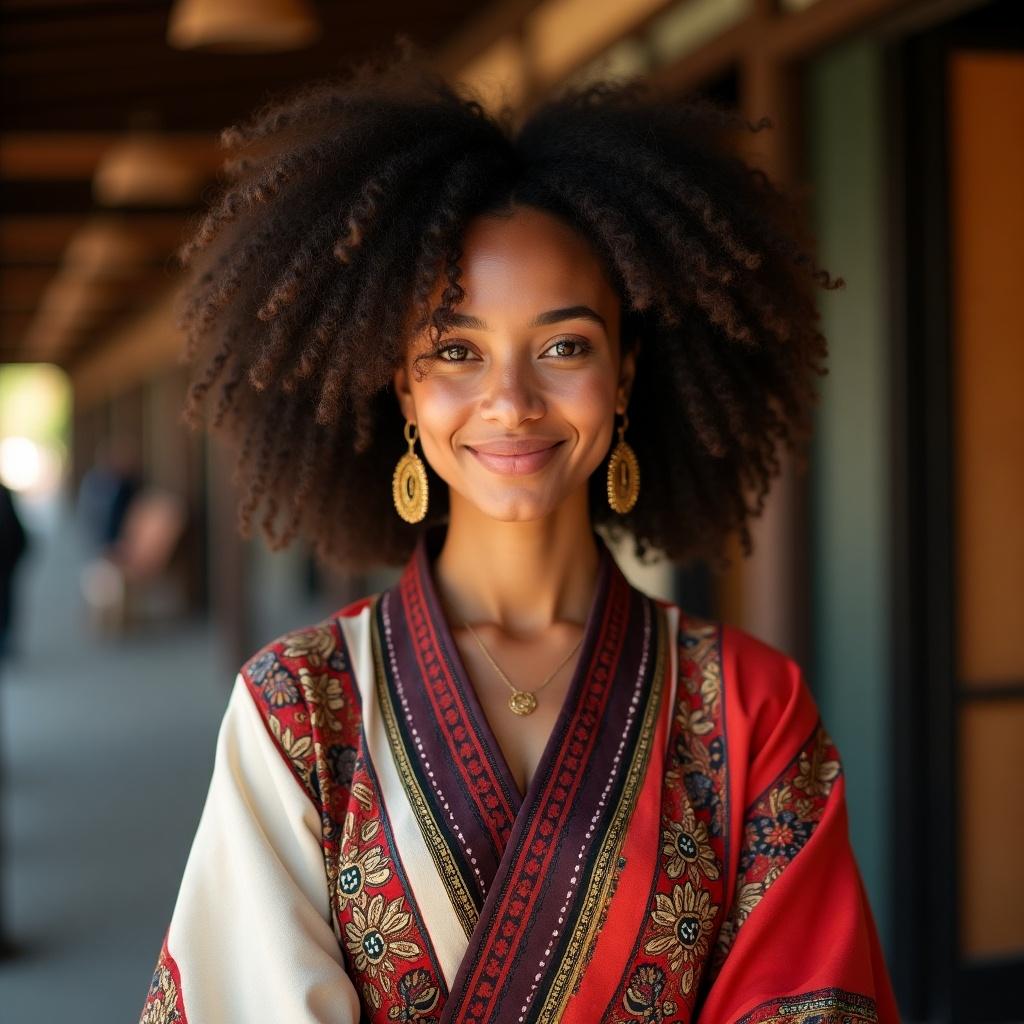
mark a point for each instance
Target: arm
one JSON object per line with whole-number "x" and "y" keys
{"x": 799, "y": 937}
{"x": 250, "y": 939}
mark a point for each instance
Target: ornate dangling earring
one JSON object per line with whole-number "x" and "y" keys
{"x": 623, "y": 474}
{"x": 409, "y": 484}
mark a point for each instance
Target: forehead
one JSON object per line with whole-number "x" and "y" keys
{"x": 527, "y": 262}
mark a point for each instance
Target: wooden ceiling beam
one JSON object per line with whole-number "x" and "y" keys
{"x": 42, "y": 238}
{"x": 203, "y": 107}
{"x": 22, "y": 287}
{"x": 147, "y": 87}
{"x": 79, "y": 29}
{"x": 494, "y": 20}
{"x": 61, "y": 156}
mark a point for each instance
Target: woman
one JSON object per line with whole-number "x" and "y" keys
{"x": 512, "y": 786}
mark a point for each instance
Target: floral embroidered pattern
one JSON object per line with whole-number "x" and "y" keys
{"x": 306, "y": 695}
{"x": 686, "y": 904}
{"x": 358, "y": 869}
{"x": 374, "y": 935}
{"x": 683, "y": 923}
{"x": 824, "y": 1006}
{"x": 163, "y": 1003}
{"x": 314, "y": 645}
{"x": 687, "y": 849}
{"x": 419, "y": 996}
{"x": 374, "y": 924}
{"x": 323, "y": 696}
{"x": 643, "y": 995}
{"x": 777, "y": 827}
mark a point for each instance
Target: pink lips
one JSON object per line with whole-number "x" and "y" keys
{"x": 516, "y": 457}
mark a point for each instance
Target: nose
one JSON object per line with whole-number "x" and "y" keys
{"x": 512, "y": 395}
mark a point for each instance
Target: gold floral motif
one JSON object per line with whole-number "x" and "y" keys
{"x": 815, "y": 774}
{"x": 371, "y": 995}
{"x": 704, "y": 654}
{"x": 314, "y": 645}
{"x": 374, "y": 937}
{"x": 694, "y": 720}
{"x": 688, "y": 848}
{"x": 323, "y": 694}
{"x": 359, "y": 868}
{"x": 643, "y": 994}
{"x": 683, "y": 923}
{"x": 419, "y": 995}
{"x": 363, "y": 795}
{"x": 162, "y": 1003}
{"x": 297, "y": 749}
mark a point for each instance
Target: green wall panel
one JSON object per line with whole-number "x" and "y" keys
{"x": 849, "y": 476}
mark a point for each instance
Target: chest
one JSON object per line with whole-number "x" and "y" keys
{"x": 522, "y": 738}
{"x": 638, "y": 804}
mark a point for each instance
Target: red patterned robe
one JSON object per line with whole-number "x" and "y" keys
{"x": 364, "y": 854}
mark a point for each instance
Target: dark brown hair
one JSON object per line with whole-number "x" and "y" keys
{"x": 344, "y": 204}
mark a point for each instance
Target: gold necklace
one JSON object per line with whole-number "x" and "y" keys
{"x": 522, "y": 702}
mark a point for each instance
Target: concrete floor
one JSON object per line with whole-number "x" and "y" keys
{"x": 106, "y": 750}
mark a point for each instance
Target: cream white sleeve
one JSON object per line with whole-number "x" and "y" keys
{"x": 250, "y": 938}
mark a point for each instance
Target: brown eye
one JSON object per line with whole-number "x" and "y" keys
{"x": 448, "y": 348}
{"x": 581, "y": 347}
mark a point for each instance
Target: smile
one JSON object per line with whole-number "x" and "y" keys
{"x": 516, "y": 465}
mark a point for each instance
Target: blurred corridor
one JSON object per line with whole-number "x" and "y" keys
{"x": 892, "y": 569}
{"x": 107, "y": 753}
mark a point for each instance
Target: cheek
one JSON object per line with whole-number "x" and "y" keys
{"x": 442, "y": 407}
{"x": 587, "y": 402}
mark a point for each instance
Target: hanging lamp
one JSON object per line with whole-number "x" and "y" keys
{"x": 242, "y": 26}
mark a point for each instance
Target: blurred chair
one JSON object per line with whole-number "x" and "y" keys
{"x": 134, "y": 579}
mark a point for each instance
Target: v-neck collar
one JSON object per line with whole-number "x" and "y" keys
{"x": 525, "y": 874}
{"x": 453, "y": 769}
{"x": 427, "y": 549}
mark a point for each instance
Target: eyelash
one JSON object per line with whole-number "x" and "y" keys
{"x": 583, "y": 346}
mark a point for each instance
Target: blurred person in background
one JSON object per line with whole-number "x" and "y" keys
{"x": 513, "y": 786}
{"x": 107, "y": 489}
{"x": 13, "y": 546}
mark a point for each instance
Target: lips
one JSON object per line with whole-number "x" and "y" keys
{"x": 515, "y": 458}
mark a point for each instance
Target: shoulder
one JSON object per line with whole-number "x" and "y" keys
{"x": 304, "y": 689}
{"x": 316, "y": 648}
{"x": 763, "y": 688}
{"x": 769, "y": 700}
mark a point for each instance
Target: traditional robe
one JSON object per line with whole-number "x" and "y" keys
{"x": 364, "y": 853}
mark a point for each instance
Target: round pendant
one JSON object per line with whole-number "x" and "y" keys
{"x": 409, "y": 488}
{"x": 522, "y": 703}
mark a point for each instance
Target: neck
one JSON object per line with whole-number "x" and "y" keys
{"x": 521, "y": 576}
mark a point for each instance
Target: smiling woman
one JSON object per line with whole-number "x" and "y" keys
{"x": 525, "y": 376}
{"x": 512, "y": 786}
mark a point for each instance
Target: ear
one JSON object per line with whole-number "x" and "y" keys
{"x": 627, "y": 373}
{"x": 403, "y": 393}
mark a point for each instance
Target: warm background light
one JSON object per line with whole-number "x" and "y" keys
{"x": 242, "y": 26}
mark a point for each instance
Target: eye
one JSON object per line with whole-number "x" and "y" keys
{"x": 582, "y": 347}
{"x": 456, "y": 347}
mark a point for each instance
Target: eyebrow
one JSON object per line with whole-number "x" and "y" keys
{"x": 552, "y": 316}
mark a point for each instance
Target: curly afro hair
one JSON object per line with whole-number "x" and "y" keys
{"x": 340, "y": 214}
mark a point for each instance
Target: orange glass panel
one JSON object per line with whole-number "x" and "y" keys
{"x": 987, "y": 221}
{"x": 987, "y": 211}
{"x": 991, "y": 827}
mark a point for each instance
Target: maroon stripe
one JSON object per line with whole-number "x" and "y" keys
{"x": 498, "y": 950}
{"x": 452, "y": 717}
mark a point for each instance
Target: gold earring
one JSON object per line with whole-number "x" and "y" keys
{"x": 623, "y": 474}
{"x": 409, "y": 483}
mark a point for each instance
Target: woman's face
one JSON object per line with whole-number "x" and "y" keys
{"x": 531, "y": 362}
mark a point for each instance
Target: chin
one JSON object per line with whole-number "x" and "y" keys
{"x": 518, "y": 509}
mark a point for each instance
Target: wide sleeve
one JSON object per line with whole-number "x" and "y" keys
{"x": 798, "y": 941}
{"x": 250, "y": 938}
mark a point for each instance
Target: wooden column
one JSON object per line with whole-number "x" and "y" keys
{"x": 229, "y": 562}
{"x": 770, "y": 597}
